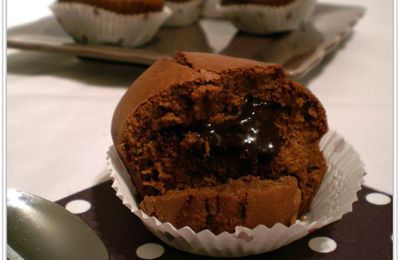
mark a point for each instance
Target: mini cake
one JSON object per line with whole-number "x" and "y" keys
{"x": 123, "y": 6}
{"x": 129, "y": 23}
{"x": 214, "y": 142}
{"x": 267, "y": 16}
{"x": 184, "y": 12}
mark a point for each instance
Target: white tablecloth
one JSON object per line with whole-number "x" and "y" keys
{"x": 59, "y": 108}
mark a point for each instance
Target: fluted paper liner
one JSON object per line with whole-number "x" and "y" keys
{"x": 89, "y": 24}
{"x": 335, "y": 197}
{"x": 263, "y": 19}
{"x": 184, "y": 13}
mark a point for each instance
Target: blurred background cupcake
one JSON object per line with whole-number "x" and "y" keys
{"x": 267, "y": 16}
{"x": 128, "y": 23}
{"x": 184, "y": 12}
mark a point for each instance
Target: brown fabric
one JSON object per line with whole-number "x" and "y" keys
{"x": 365, "y": 233}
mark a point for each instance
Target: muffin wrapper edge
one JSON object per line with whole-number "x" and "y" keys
{"x": 89, "y": 24}
{"x": 335, "y": 197}
{"x": 260, "y": 19}
{"x": 184, "y": 13}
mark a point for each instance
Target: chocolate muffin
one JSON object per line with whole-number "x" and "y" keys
{"x": 123, "y": 6}
{"x": 213, "y": 142}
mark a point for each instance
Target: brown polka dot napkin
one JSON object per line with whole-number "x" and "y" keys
{"x": 365, "y": 233}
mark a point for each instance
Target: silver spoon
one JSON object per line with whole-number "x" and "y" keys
{"x": 40, "y": 229}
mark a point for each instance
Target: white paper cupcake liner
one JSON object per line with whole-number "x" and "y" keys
{"x": 335, "y": 197}
{"x": 259, "y": 19}
{"x": 89, "y": 24}
{"x": 184, "y": 13}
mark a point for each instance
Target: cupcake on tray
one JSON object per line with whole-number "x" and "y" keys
{"x": 128, "y": 23}
{"x": 267, "y": 16}
{"x": 184, "y": 12}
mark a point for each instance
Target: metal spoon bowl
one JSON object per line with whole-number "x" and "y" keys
{"x": 40, "y": 229}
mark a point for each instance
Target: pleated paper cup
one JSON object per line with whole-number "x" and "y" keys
{"x": 335, "y": 197}
{"x": 89, "y": 24}
{"x": 261, "y": 19}
{"x": 184, "y": 13}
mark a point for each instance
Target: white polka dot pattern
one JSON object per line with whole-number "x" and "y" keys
{"x": 322, "y": 244}
{"x": 378, "y": 198}
{"x": 78, "y": 206}
{"x": 150, "y": 251}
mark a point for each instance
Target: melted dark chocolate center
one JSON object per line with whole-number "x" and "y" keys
{"x": 253, "y": 133}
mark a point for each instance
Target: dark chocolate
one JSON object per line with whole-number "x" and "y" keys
{"x": 253, "y": 133}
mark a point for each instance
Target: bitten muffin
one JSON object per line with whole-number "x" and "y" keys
{"x": 214, "y": 142}
{"x": 123, "y": 6}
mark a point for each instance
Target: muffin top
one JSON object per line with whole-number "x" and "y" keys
{"x": 123, "y": 6}
{"x": 257, "y": 2}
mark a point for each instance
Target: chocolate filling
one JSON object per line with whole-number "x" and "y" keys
{"x": 253, "y": 135}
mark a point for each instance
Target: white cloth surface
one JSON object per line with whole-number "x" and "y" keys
{"x": 59, "y": 108}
